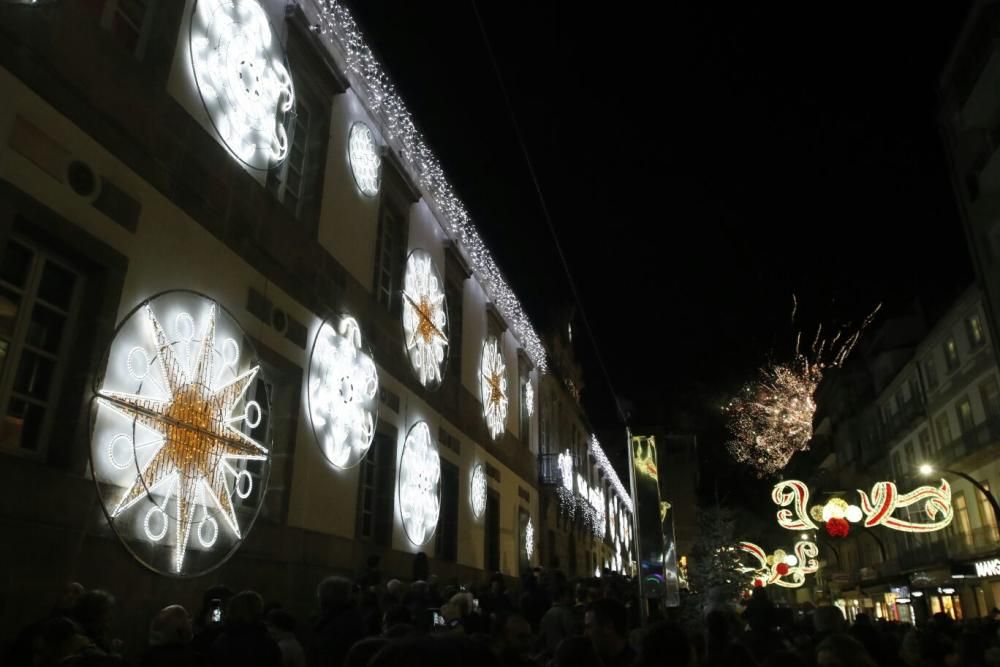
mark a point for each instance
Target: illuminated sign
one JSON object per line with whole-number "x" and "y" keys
{"x": 988, "y": 568}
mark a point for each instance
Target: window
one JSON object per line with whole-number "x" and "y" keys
{"x": 128, "y": 21}
{"x": 990, "y": 394}
{"x": 288, "y": 183}
{"x": 930, "y": 372}
{"x": 492, "y": 532}
{"x": 910, "y": 459}
{"x": 389, "y": 255}
{"x": 523, "y": 412}
{"x": 962, "y": 518}
{"x": 964, "y": 413}
{"x": 925, "y": 444}
{"x": 974, "y": 329}
{"x": 951, "y": 354}
{"x": 986, "y": 514}
{"x": 943, "y": 428}
{"x": 453, "y": 296}
{"x": 375, "y": 505}
{"x": 38, "y": 296}
{"x": 446, "y": 542}
{"x": 897, "y": 464}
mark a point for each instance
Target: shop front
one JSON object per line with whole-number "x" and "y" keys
{"x": 979, "y": 584}
{"x": 934, "y": 592}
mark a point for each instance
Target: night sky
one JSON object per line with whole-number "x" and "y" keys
{"x": 701, "y": 164}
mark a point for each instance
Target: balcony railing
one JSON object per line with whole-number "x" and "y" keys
{"x": 903, "y": 419}
{"x": 974, "y": 440}
{"x": 973, "y": 543}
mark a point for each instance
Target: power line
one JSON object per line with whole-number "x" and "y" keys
{"x": 545, "y": 212}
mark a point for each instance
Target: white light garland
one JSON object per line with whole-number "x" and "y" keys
{"x": 565, "y": 461}
{"x": 609, "y": 472}
{"x": 239, "y": 69}
{"x": 529, "y": 539}
{"x": 182, "y": 403}
{"x": 529, "y": 398}
{"x": 374, "y": 88}
{"x": 343, "y": 393}
{"x": 425, "y": 318}
{"x": 477, "y": 491}
{"x": 419, "y": 485}
{"x": 493, "y": 387}
{"x": 366, "y": 163}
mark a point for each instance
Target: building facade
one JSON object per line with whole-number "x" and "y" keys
{"x": 247, "y": 331}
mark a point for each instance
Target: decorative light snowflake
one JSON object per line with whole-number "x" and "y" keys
{"x": 419, "y": 484}
{"x": 478, "y": 491}
{"x": 239, "y": 69}
{"x": 493, "y": 387}
{"x": 179, "y": 402}
{"x": 366, "y": 163}
{"x": 425, "y": 318}
{"x": 343, "y": 393}
{"x": 529, "y": 539}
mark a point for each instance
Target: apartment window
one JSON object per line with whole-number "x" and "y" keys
{"x": 897, "y": 463}
{"x": 914, "y": 389}
{"x": 951, "y": 354}
{"x": 964, "y": 412}
{"x": 986, "y": 515}
{"x": 128, "y": 21}
{"x": 446, "y": 544}
{"x": 943, "y": 427}
{"x": 375, "y": 504}
{"x": 288, "y": 183}
{"x": 523, "y": 412}
{"x": 38, "y": 295}
{"x": 962, "y": 518}
{"x": 930, "y": 372}
{"x": 453, "y": 296}
{"x": 925, "y": 444}
{"x": 389, "y": 253}
{"x": 989, "y": 391}
{"x": 492, "y": 532}
{"x": 261, "y": 391}
{"x": 910, "y": 459}
{"x": 974, "y": 329}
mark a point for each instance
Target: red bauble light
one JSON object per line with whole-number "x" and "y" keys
{"x": 757, "y": 583}
{"x": 782, "y": 569}
{"x": 838, "y": 527}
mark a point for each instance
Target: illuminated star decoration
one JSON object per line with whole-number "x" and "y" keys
{"x": 239, "y": 68}
{"x": 771, "y": 418}
{"x": 419, "y": 484}
{"x": 195, "y": 424}
{"x": 493, "y": 387}
{"x": 343, "y": 393}
{"x": 366, "y": 164}
{"x": 478, "y": 491}
{"x": 425, "y": 318}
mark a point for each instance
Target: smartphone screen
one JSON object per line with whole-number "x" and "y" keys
{"x": 216, "y": 614}
{"x": 439, "y": 619}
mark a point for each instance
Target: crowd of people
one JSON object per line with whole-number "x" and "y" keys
{"x": 549, "y": 622}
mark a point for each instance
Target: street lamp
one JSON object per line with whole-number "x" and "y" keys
{"x": 927, "y": 470}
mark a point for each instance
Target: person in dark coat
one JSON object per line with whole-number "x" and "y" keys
{"x": 245, "y": 641}
{"x": 339, "y": 624}
{"x": 170, "y": 636}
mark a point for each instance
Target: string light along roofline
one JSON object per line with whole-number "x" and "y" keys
{"x": 604, "y": 464}
{"x": 375, "y": 90}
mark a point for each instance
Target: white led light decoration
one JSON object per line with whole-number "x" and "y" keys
{"x": 493, "y": 387}
{"x": 477, "y": 490}
{"x": 366, "y": 163}
{"x": 343, "y": 392}
{"x": 347, "y": 45}
{"x": 419, "y": 485}
{"x": 425, "y": 319}
{"x": 529, "y": 398}
{"x": 609, "y": 472}
{"x": 240, "y": 70}
{"x": 565, "y": 461}
{"x": 529, "y": 539}
{"x": 180, "y": 417}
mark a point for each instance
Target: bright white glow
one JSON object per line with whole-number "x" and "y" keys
{"x": 183, "y": 394}
{"x": 926, "y": 469}
{"x": 609, "y": 472}
{"x": 529, "y": 398}
{"x": 493, "y": 387}
{"x": 565, "y": 461}
{"x": 366, "y": 163}
{"x": 529, "y": 539}
{"x": 343, "y": 393}
{"x": 791, "y": 560}
{"x": 425, "y": 318}
{"x": 478, "y": 491}
{"x": 420, "y": 484}
{"x": 375, "y": 90}
{"x": 239, "y": 68}
{"x": 854, "y": 514}
{"x": 780, "y": 568}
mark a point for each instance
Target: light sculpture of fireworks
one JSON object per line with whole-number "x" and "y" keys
{"x": 772, "y": 417}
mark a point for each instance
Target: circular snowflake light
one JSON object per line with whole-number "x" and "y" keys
{"x": 343, "y": 393}
{"x": 425, "y": 319}
{"x": 180, "y": 430}
{"x": 241, "y": 74}
{"x": 478, "y": 491}
{"x": 420, "y": 484}
{"x": 529, "y": 539}
{"x": 366, "y": 163}
{"x": 493, "y": 387}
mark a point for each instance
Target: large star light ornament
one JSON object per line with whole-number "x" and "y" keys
{"x": 419, "y": 485}
{"x": 241, "y": 74}
{"x": 343, "y": 392}
{"x": 180, "y": 432}
{"x": 425, "y": 319}
{"x": 493, "y": 387}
